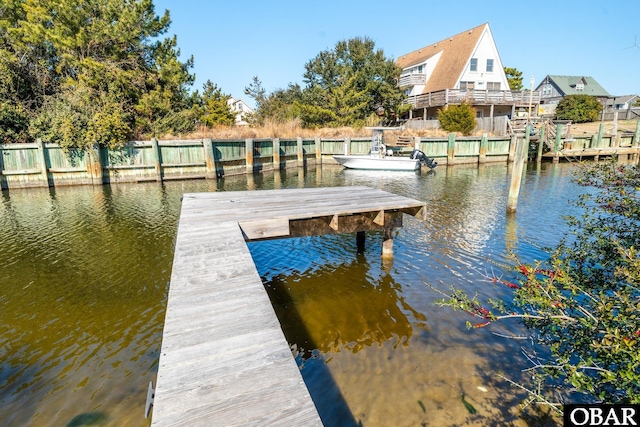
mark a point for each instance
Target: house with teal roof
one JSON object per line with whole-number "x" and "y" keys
{"x": 553, "y": 88}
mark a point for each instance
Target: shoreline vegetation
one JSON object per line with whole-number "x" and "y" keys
{"x": 294, "y": 129}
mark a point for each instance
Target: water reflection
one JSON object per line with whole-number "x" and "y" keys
{"x": 310, "y": 306}
{"x": 83, "y": 287}
{"x": 84, "y": 275}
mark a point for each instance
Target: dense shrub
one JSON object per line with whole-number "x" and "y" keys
{"x": 578, "y": 108}
{"x": 458, "y": 118}
{"x": 14, "y": 123}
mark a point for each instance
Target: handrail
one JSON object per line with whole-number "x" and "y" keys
{"x": 474, "y": 96}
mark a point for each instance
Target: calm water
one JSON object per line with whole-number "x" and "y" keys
{"x": 84, "y": 274}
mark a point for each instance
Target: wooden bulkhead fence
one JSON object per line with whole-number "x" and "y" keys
{"x": 42, "y": 164}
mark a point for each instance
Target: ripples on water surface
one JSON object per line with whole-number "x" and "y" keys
{"x": 84, "y": 274}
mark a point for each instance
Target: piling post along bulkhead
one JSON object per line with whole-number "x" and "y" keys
{"x": 248, "y": 155}
{"x": 94, "y": 165}
{"x": 522, "y": 147}
{"x": 557, "y": 144}
{"x": 542, "y": 137}
{"x": 157, "y": 160}
{"x": 300, "y": 150}
{"x": 482, "y": 154}
{"x": 318, "y": 143}
{"x": 512, "y": 148}
{"x": 636, "y": 140}
{"x": 599, "y": 140}
{"x": 276, "y": 153}
{"x": 209, "y": 158}
{"x": 600, "y": 134}
{"x": 42, "y": 159}
{"x": 451, "y": 148}
{"x": 347, "y": 146}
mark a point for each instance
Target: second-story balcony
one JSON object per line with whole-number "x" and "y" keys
{"x": 474, "y": 97}
{"x": 414, "y": 79}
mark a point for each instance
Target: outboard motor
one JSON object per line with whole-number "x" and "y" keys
{"x": 417, "y": 154}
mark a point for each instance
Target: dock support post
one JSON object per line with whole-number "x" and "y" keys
{"x": 558, "y": 140}
{"x": 318, "y": 143}
{"x": 248, "y": 154}
{"x": 276, "y": 153}
{"x": 451, "y": 148}
{"x": 541, "y": 141}
{"x": 155, "y": 155}
{"x": 210, "y": 159}
{"x": 387, "y": 243}
{"x": 43, "y": 162}
{"x": 516, "y": 173}
{"x": 300, "y": 152}
{"x": 482, "y": 155}
{"x": 600, "y": 134}
{"x": 94, "y": 165}
{"x": 636, "y": 141}
{"x": 360, "y": 241}
{"x": 512, "y": 148}
{"x": 347, "y": 146}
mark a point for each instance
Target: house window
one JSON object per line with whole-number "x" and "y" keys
{"x": 546, "y": 90}
{"x": 493, "y": 85}
{"x": 466, "y": 85}
{"x": 474, "y": 64}
{"x": 580, "y": 87}
{"x": 489, "y": 65}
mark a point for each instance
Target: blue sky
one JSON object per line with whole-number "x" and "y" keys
{"x": 232, "y": 41}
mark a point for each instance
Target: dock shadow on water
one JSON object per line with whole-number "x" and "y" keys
{"x": 334, "y": 309}
{"x": 339, "y": 309}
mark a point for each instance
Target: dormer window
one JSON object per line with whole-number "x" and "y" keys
{"x": 579, "y": 87}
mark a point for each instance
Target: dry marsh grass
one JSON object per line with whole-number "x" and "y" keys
{"x": 294, "y": 129}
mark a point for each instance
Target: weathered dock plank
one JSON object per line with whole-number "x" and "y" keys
{"x": 224, "y": 358}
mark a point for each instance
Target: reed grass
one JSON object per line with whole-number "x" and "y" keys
{"x": 294, "y": 129}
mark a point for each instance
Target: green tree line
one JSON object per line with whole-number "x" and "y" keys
{"x": 353, "y": 84}
{"x": 86, "y": 72}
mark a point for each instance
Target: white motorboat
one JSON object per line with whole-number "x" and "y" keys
{"x": 381, "y": 159}
{"x": 369, "y": 162}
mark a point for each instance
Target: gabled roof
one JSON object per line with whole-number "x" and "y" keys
{"x": 456, "y": 51}
{"x": 567, "y": 85}
{"x": 622, "y": 99}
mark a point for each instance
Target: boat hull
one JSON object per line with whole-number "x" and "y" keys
{"x": 378, "y": 163}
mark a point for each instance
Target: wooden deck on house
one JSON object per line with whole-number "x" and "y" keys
{"x": 224, "y": 358}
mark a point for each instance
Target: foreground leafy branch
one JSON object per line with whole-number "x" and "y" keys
{"x": 582, "y": 304}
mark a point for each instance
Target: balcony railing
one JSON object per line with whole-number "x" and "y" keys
{"x": 413, "y": 80}
{"x": 473, "y": 96}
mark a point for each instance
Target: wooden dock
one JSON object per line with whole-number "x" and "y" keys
{"x": 592, "y": 153}
{"x": 224, "y": 358}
